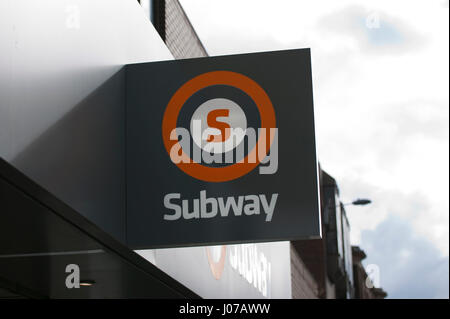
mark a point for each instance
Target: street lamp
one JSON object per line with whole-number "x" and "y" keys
{"x": 359, "y": 202}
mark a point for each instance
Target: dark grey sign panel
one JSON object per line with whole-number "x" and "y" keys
{"x": 221, "y": 150}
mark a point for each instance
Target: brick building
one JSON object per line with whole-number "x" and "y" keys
{"x": 364, "y": 287}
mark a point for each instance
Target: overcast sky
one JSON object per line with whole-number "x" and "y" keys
{"x": 380, "y": 76}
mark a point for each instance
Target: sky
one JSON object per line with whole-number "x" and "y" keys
{"x": 381, "y": 100}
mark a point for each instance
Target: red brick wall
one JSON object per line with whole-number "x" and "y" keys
{"x": 304, "y": 285}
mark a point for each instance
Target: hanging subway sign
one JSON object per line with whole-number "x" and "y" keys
{"x": 221, "y": 150}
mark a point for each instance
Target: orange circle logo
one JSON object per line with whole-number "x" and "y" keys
{"x": 228, "y": 78}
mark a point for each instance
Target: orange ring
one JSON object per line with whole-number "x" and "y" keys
{"x": 242, "y": 82}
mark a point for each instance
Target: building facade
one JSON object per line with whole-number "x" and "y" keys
{"x": 364, "y": 286}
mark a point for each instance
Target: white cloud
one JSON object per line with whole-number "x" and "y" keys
{"x": 410, "y": 266}
{"x": 374, "y": 32}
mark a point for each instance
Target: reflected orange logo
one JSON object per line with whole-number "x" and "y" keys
{"x": 216, "y": 262}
